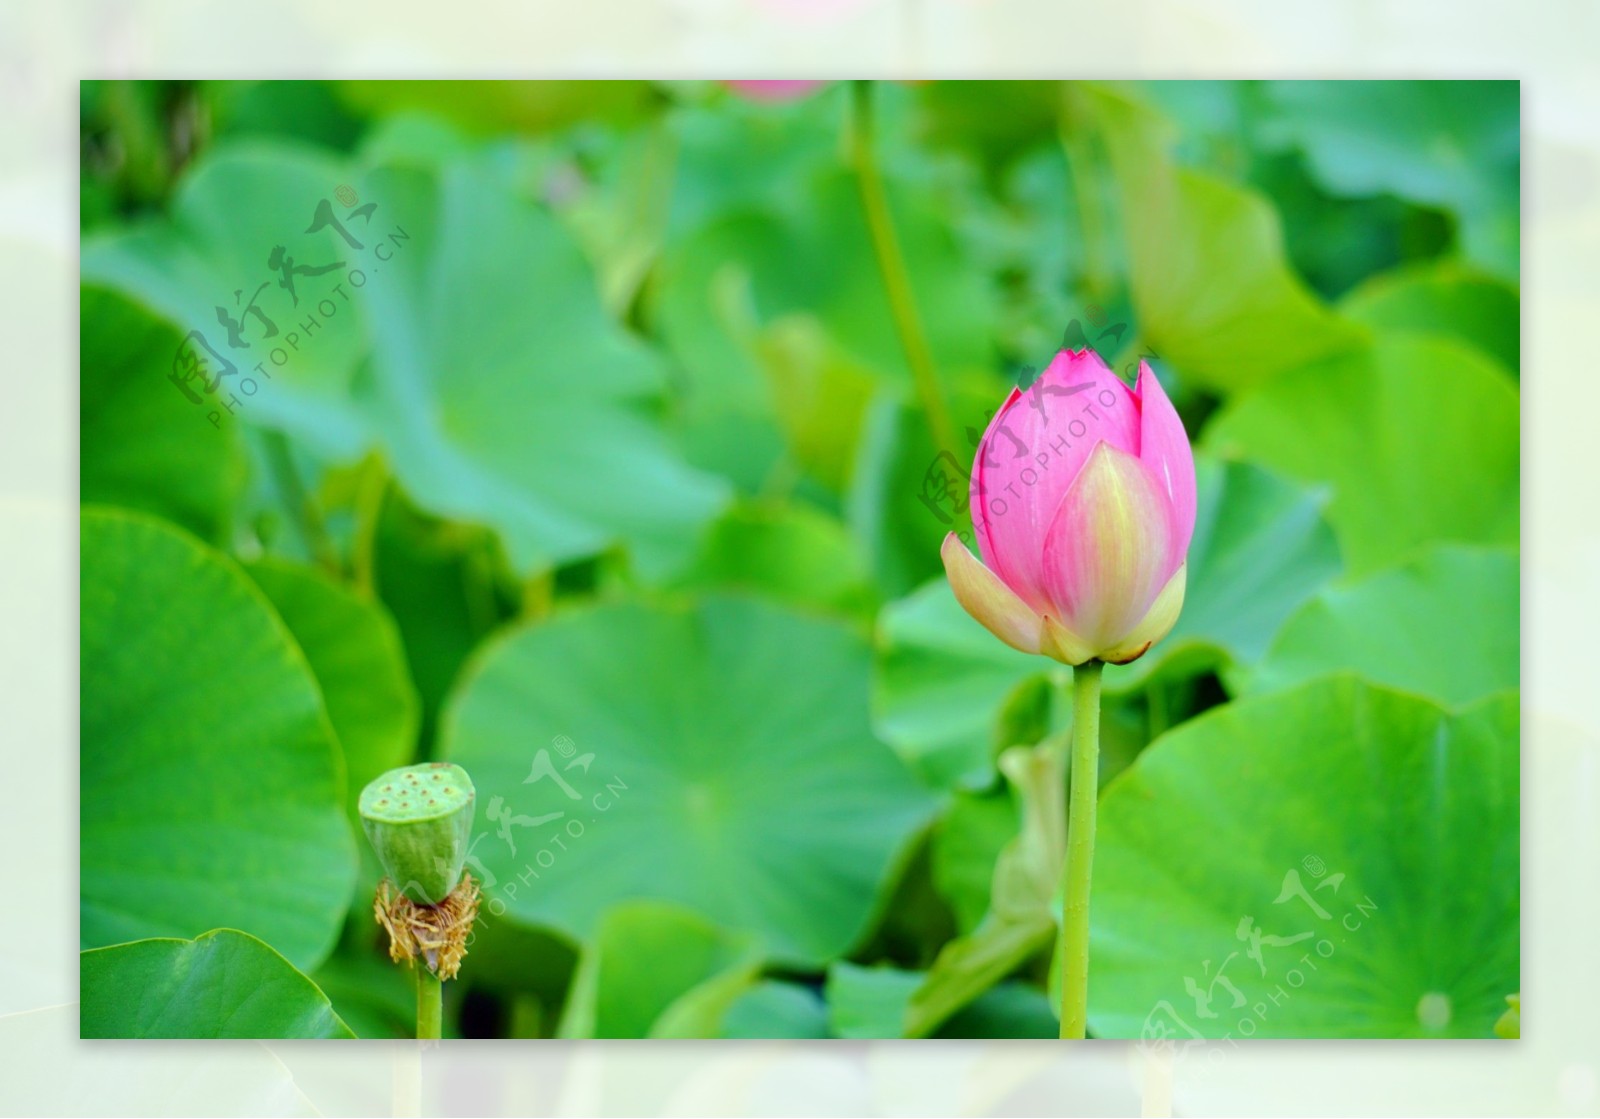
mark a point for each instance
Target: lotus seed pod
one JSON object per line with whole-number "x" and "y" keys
{"x": 419, "y": 820}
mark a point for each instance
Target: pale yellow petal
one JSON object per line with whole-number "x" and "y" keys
{"x": 1156, "y": 623}
{"x": 982, "y": 594}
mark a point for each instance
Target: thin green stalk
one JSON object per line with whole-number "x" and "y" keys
{"x": 303, "y": 512}
{"x": 1074, "y": 128}
{"x": 479, "y": 564}
{"x": 896, "y": 276}
{"x": 371, "y": 492}
{"x": 138, "y": 116}
{"x": 1080, "y": 848}
{"x": 430, "y": 999}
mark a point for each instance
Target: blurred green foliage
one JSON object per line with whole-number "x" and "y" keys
{"x": 567, "y": 431}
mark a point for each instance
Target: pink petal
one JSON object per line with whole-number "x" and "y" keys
{"x": 1164, "y": 448}
{"x": 1035, "y": 446}
{"x": 1109, "y": 550}
{"x": 986, "y": 598}
{"x": 1005, "y": 544}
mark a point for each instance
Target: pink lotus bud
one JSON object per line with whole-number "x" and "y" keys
{"x": 774, "y": 90}
{"x": 1083, "y": 504}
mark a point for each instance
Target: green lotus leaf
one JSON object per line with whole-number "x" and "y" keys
{"x": 657, "y": 970}
{"x": 1416, "y": 435}
{"x": 1451, "y": 144}
{"x": 145, "y": 445}
{"x": 939, "y": 681}
{"x": 440, "y": 318}
{"x": 1333, "y": 860}
{"x": 1446, "y": 625}
{"x": 477, "y": 328}
{"x": 778, "y": 316}
{"x": 871, "y": 1002}
{"x": 212, "y": 786}
{"x": 211, "y": 261}
{"x": 222, "y": 984}
{"x": 1211, "y": 283}
{"x": 1261, "y": 548}
{"x": 772, "y": 1009}
{"x": 966, "y": 844}
{"x": 791, "y": 552}
{"x": 353, "y": 647}
{"x": 718, "y": 756}
{"x": 1448, "y": 300}
{"x": 375, "y": 998}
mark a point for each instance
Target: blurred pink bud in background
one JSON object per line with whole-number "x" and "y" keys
{"x": 774, "y": 90}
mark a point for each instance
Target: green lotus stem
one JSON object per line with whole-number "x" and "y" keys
{"x": 298, "y": 501}
{"x": 430, "y": 1003}
{"x": 1074, "y": 122}
{"x": 371, "y": 492}
{"x": 1080, "y": 848}
{"x": 896, "y": 276}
